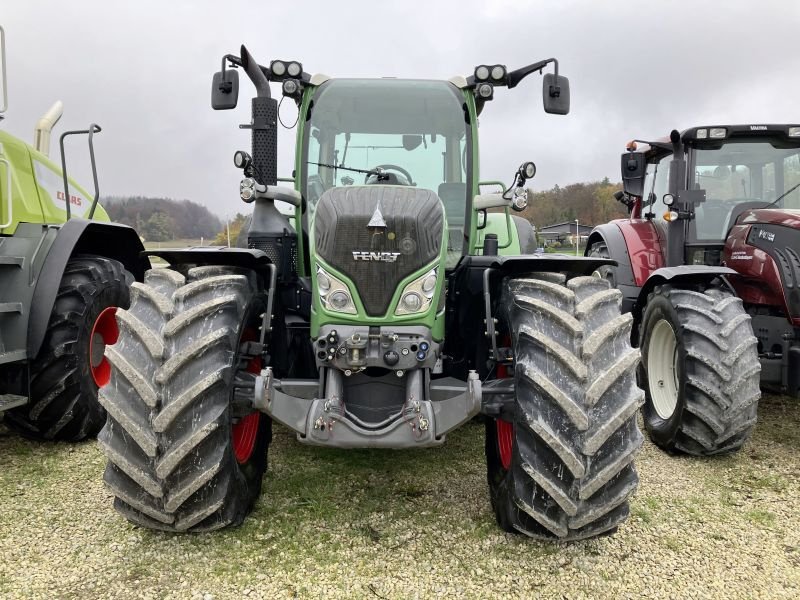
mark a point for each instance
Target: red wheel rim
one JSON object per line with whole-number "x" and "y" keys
{"x": 245, "y": 432}
{"x": 505, "y": 430}
{"x": 105, "y": 332}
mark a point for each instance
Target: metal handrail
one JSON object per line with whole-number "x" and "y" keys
{"x": 8, "y": 187}
{"x": 93, "y": 128}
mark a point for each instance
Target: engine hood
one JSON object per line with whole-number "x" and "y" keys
{"x": 377, "y": 235}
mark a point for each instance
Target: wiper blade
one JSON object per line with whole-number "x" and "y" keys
{"x": 782, "y": 196}
{"x": 334, "y": 167}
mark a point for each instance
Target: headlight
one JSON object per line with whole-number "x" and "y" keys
{"x": 411, "y": 302}
{"x": 334, "y": 294}
{"x": 418, "y": 295}
{"x": 702, "y": 134}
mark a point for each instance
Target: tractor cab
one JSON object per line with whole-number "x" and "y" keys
{"x": 393, "y": 132}
{"x": 722, "y": 172}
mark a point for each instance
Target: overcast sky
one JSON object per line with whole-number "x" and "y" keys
{"x": 142, "y": 70}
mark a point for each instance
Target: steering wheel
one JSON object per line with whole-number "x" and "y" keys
{"x": 388, "y": 167}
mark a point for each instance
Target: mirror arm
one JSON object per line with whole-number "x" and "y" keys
{"x": 519, "y": 74}
{"x": 226, "y": 86}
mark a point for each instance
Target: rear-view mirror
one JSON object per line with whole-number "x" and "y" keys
{"x": 633, "y": 170}
{"x": 225, "y": 90}
{"x": 555, "y": 94}
{"x": 411, "y": 142}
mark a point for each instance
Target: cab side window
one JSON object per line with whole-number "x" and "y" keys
{"x": 656, "y": 184}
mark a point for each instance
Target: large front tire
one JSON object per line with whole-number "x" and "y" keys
{"x": 561, "y": 466}
{"x": 66, "y": 373}
{"x": 181, "y": 455}
{"x": 700, "y": 371}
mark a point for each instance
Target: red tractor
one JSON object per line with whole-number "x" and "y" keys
{"x": 709, "y": 265}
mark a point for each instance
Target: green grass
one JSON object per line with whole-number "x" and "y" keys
{"x": 761, "y": 517}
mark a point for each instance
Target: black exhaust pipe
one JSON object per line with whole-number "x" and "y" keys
{"x": 264, "y": 124}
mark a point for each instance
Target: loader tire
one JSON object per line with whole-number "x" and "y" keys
{"x": 561, "y": 466}
{"x": 700, "y": 371}
{"x": 183, "y": 454}
{"x": 66, "y": 373}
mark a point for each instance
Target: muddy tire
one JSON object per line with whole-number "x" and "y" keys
{"x": 182, "y": 454}
{"x": 561, "y": 466}
{"x": 701, "y": 371}
{"x": 65, "y": 374}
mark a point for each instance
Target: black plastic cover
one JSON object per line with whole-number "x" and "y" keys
{"x": 378, "y": 257}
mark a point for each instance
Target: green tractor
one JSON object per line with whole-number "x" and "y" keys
{"x": 379, "y": 302}
{"x": 64, "y": 271}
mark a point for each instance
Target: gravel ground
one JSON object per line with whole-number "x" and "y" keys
{"x": 380, "y": 524}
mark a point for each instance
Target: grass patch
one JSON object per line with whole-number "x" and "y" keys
{"x": 764, "y": 518}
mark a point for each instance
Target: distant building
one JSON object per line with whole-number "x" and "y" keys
{"x": 562, "y": 233}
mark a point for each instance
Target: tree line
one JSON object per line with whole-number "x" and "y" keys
{"x": 591, "y": 203}
{"x": 163, "y": 219}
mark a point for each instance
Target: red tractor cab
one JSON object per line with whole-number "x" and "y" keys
{"x": 709, "y": 265}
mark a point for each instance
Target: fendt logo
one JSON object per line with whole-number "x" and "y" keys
{"x": 376, "y": 256}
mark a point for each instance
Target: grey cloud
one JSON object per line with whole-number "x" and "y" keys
{"x": 142, "y": 70}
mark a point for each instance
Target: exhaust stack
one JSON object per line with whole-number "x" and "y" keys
{"x": 41, "y": 135}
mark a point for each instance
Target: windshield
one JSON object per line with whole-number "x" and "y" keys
{"x": 390, "y": 132}
{"x": 743, "y": 175}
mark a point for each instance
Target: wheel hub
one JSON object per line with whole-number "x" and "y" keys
{"x": 105, "y": 332}
{"x": 245, "y": 431}
{"x": 662, "y": 369}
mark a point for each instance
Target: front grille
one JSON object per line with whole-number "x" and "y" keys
{"x": 414, "y": 220}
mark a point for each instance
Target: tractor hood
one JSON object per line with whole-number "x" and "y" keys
{"x": 377, "y": 235}
{"x": 786, "y": 217}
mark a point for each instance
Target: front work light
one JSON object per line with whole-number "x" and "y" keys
{"x": 717, "y": 132}
{"x": 482, "y": 73}
{"x": 498, "y": 73}
{"x": 294, "y": 69}
{"x": 794, "y": 131}
{"x": 702, "y": 134}
{"x": 278, "y": 68}
{"x": 485, "y": 91}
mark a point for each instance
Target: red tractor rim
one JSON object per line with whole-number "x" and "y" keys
{"x": 245, "y": 432}
{"x": 244, "y": 435}
{"x": 505, "y": 442}
{"x": 505, "y": 430}
{"x": 105, "y": 332}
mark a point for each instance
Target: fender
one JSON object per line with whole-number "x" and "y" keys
{"x": 612, "y": 236}
{"x": 79, "y": 236}
{"x": 249, "y": 258}
{"x": 473, "y": 267}
{"x": 682, "y": 276}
